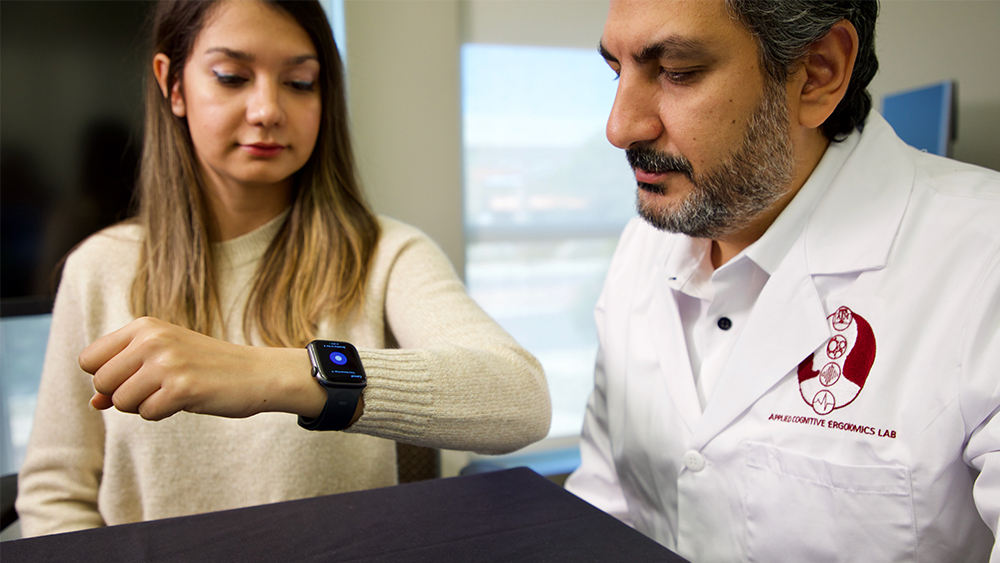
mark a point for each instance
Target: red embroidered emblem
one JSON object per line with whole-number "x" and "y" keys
{"x": 832, "y": 377}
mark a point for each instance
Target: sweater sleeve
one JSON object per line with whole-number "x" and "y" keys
{"x": 58, "y": 482}
{"x": 458, "y": 380}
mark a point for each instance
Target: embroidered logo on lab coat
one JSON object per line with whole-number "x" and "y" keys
{"x": 831, "y": 377}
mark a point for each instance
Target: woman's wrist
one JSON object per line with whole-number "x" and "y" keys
{"x": 292, "y": 388}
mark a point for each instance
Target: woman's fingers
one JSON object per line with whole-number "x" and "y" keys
{"x": 157, "y": 406}
{"x": 130, "y": 364}
{"x": 118, "y": 356}
{"x": 110, "y": 345}
{"x": 134, "y": 391}
{"x": 101, "y": 401}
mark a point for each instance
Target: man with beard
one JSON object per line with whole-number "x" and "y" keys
{"x": 800, "y": 339}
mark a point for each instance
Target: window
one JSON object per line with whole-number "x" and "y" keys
{"x": 546, "y": 197}
{"x": 23, "y": 338}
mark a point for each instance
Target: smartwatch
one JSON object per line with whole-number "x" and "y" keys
{"x": 337, "y": 367}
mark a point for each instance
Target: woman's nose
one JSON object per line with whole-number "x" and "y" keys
{"x": 264, "y": 105}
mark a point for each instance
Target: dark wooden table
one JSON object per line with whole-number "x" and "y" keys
{"x": 506, "y": 516}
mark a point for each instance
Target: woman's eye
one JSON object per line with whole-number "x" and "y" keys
{"x": 229, "y": 79}
{"x": 302, "y": 85}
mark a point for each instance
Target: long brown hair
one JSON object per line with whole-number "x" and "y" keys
{"x": 318, "y": 262}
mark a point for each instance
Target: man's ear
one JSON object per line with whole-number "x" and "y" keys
{"x": 821, "y": 81}
{"x": 161, "y": 67}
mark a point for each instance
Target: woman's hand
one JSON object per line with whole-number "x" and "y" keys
{"x": 156, "y": 369}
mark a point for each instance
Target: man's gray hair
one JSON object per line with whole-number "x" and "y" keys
{"x": 784, "y": 30}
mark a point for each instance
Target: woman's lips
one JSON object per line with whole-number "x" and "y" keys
{"x": 263, "y": 150}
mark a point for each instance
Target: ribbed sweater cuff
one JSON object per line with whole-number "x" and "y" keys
{"x": 398, "y": 399}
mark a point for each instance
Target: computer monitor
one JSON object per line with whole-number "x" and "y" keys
{"x": 924, "y": 117}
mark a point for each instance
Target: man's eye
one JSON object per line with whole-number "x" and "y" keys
{"x": 229, "y": 79}
{"x": 678, "y": 76}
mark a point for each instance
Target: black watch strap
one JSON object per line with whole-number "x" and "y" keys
{"x": 337, "y": 413}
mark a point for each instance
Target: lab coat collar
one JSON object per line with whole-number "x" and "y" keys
{"x": 673, "y": 355}
{"x": 852, "y": 229}
{"x": 856, "y": 221}
{"x": 787, "y": 323}
{"x": 685, "y": 269}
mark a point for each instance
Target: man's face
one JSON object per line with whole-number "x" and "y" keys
{"x": 705, "y": 132}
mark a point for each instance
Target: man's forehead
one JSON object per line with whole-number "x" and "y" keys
{"x": 680, "y": 28}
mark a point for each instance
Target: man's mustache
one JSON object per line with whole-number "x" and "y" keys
{"x": 650, "y": 160}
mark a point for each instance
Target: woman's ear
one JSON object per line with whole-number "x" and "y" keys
{"x": 825, "y": 73}
{"x": 161, "y": 67}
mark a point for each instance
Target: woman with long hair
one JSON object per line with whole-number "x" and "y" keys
{"x": 253, "y": 240}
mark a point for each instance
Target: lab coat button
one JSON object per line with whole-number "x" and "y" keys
{"x": 694, "y": 460}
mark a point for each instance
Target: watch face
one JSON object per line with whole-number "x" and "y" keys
{"x": 338, "y": 361}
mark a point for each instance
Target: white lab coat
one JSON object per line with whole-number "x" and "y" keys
{"x": 905, "y": 467}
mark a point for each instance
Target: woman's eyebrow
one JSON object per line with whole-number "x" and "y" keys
{"x": 247, "y": 57}
{"x": 294, "y": 61}
{"x": 232, "y": 54}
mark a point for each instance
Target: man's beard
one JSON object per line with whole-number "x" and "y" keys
{"x": 730, "y": 196}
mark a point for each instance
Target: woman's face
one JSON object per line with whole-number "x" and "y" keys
{"x": 251, "y": 95}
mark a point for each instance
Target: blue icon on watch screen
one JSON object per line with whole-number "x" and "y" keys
{"x": 338, "y": 358}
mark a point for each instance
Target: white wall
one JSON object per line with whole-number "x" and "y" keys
{"x": 561, "y": 23}
{"x": 403, "y": 59}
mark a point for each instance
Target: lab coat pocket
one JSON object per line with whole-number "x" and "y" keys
{"x": 801, "y": 508}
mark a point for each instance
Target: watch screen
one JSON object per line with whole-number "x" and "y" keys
{"x": 338, "y": 361}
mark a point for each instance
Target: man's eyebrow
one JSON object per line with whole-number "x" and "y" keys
{"x": 247, "y": 57}
{"x": 671, "y": 47}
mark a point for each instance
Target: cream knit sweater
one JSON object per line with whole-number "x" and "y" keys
{"x": 441, "y": 373}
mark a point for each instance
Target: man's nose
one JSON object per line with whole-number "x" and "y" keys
{"x": 634, "y": 116}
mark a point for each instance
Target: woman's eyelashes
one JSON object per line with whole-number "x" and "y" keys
{"x": 302, "y": 85}
{"x": 227, "y": 79}
{"x": 235, "y": 80}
